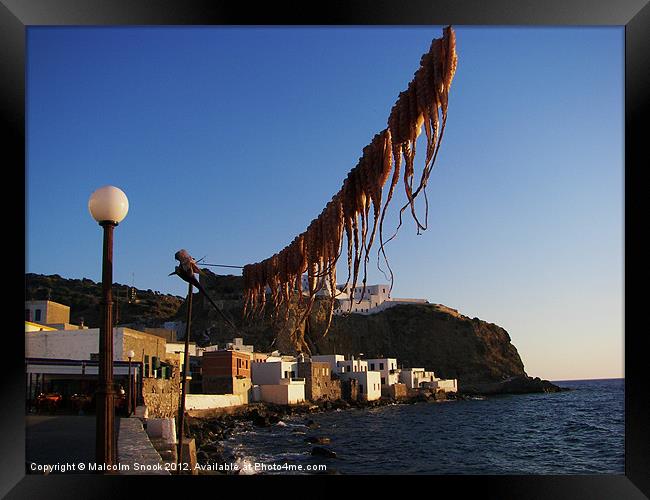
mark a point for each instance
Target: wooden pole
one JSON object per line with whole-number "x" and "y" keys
{"x": 186, "y": 362}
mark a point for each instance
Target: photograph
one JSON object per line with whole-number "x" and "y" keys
{"x": 398, "y": 250}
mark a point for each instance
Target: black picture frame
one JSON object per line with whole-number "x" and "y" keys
{"x": 17, "y": 15}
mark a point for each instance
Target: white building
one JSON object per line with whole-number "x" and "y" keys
{"x": 387, "y": 367}
{"x": 369, "y": 383}
{"x": 447, "y": 385}
{"x": 49, "y": 313}
{"x": 238, "y": 345}
{"x": 352, "y": 365}
{"x": 273, "y": 372}
{"x": 374, "y": 299}
{"x": 286, "y": 393}
{"x": 332, "y": 359}
{"x": 179, "y": 348}
{"x": 277, "y": 382}
{"x": 81, "y": 344}
{"x": 415, "y": 378}
{"x": 322, "y": 284}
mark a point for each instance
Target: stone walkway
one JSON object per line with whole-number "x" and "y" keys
{"x": 134, "y": 449}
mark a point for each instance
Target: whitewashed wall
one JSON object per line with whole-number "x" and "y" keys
{"x": 271, "y": 373}
{"x": 69, "y": 344}
{"x": 448, "y": 385}
{"x": 371, "y": 382}
{"x": 332, "y": 359}
{"x": 389, "y": 364}
{"x": 210, "y": 401}
{"x": 283, "y": 394}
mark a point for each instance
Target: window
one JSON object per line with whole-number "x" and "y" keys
{"x": 381, "y": 366}
{"x": 28, "y": 315}
{"x": 37, "y": 315}
{"x": 146, "y": 365}
{"x": 383, "y": 381}
{"x": 372, "y": 366}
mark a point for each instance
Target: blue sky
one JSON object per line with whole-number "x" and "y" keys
{"x": 228, "y": 141}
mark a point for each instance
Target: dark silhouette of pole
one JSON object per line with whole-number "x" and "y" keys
{"x": 105, "y": 439}
{"x": 186, "y": 362}
{"x": 135, "y": 391}
{"x": 130, "y": 400}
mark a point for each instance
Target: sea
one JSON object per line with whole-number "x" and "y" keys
{"x": 580, "y": 431}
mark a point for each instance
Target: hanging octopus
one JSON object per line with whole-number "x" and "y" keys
{"x": 348, "y": 215}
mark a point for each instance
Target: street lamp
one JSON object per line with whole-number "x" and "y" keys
{"x": 108, "y": 205}
{"x": 130, "y": 406}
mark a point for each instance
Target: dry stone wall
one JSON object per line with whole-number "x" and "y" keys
{"x": 162, "y": 396}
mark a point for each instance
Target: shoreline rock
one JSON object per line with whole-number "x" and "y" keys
{"x": 512, "y": 385}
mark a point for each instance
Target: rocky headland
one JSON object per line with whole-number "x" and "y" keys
{"x": 479, "y": 354}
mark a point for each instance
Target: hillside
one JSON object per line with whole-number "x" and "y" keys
{"x": 150, "y": 308}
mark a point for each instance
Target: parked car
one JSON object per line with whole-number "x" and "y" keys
{"x": 81, "y": 402}
{"x": 48, "y": 401}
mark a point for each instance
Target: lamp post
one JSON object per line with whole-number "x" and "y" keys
{"x": 108, "y": 205}
{"x": 130, "y": 406}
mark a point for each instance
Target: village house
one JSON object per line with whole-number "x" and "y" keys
{"x": 356, "y": 379}
{"x": 419, "y": 378}
{"x": 319, "y": 383}
{"x": 238, "y": 345}
{"x": 331, "y": 359}
{"x": 352, "y": 365}
{"x": 277, "y": 382}
{"x": 368, "y": 383}
{"x": 373, "y": 299}
{"x": 387, "y": 367}
{"x": 84, "y": 345}
{"x": 49, "y": 313}
{"x": 227, "y": 372}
